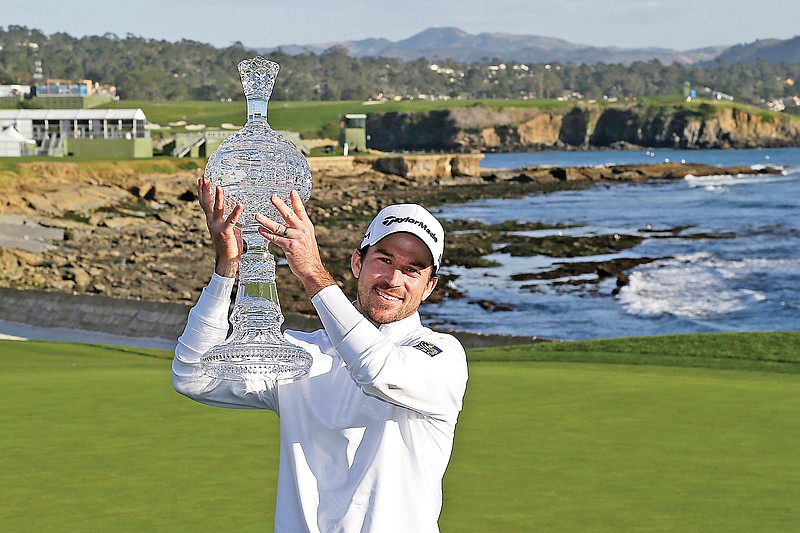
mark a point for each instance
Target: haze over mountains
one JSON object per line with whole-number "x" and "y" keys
{"x": 452, "y": 43}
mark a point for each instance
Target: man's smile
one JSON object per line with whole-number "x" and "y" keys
{"x": 387, "y": 296}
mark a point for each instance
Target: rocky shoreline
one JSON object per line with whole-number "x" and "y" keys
{"x": 141, "y": 236}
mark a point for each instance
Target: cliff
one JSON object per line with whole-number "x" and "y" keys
{"x": 582, "y": 127}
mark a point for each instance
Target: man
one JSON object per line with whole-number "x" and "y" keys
{"x": 365, "y": 436}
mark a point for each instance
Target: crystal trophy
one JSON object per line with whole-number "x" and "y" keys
{"x": 251, "y": 165}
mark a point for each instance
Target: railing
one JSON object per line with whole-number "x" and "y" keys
{"x": 51, "y": 145}
{"x": 184, "y": 145}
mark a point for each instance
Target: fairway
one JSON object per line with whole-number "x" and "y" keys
{"x": 95, "y": 439}
{"x": 305, "y": 117}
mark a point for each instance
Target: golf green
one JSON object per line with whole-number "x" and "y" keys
{"x": 95, "y": 439}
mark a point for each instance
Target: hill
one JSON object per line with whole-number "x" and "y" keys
{"x": 147, "y": 69}
{"x": 457, "y": 45}
{"x": 770, "y": 50}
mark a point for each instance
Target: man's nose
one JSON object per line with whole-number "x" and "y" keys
{"x": 395, "y": 276}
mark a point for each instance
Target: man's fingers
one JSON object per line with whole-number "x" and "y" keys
{"x": 284, "y": 210}
{"x": 219, "y": 199}
{"x": 233, "y": 218}
{"x": 203, "y": 193}
{"x": 297, "y": 205}
{"x": 288, "y": 213}
{"x": 269, "y": 224}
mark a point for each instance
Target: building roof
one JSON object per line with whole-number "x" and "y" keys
{"x": 72, "y": 114}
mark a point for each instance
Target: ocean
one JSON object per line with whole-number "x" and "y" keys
{"x": 733, "y": 266}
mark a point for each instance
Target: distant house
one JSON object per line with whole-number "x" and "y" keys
{"x": 14, "y": 90}
{"x": 58, "y": 94}
{"x": 72, "y": 94}
{"x": 12, "y": 95}
{"x": 108, "y": 133}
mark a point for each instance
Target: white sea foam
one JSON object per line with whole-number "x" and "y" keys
{"x": 698, "y": 285}
{"x": 723, "y": 180}
{"x": 762, "y": 167}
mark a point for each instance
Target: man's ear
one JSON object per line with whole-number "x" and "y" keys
{"x": 355, "y": 263}
{"x": 429, "y": 289}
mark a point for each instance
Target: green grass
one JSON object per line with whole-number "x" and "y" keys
{"x": 95, "y": 439}
{"x": 309, "y": 118}
{"x": 707, "y": 106}
{"x": 764, "y": 351}
{"x": 584, "y": 436}
{"x": 602, "y": 448}
{"x": 305, "y": 117}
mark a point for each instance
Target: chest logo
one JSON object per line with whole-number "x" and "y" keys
{"x": 428, "y": 348}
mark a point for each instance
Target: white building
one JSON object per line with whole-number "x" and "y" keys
{"x": 14, "y": 90}
{"x": 90, "y": 132}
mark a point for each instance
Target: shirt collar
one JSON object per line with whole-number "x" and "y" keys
{"x": 399, "y": 330}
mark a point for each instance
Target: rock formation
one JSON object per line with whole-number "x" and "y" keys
{"x": 582, "y": 127}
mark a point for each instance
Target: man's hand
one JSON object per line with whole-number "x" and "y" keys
{"x": 227, "y": 238}
{"x": 298, "y": 242}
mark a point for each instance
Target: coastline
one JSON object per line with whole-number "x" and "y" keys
{"x": 147, "y": 243}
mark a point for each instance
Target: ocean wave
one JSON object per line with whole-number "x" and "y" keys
{"x": 700, "y": 286}
{"x": 717, "y": 181}
{"x": 762, "y": 167}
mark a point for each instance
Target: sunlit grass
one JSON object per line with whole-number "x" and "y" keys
{"x": 607, "y": 435}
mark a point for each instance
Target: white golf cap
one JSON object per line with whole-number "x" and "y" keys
{"x": 408, "y": 218}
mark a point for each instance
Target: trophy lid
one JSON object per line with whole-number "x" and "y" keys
{"x": 258, "y": 77}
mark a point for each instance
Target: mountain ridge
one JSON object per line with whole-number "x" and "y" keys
{"x": 771, "y": 50}
{"x": 444, "y": 43}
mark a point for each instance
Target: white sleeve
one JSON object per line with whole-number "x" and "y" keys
{"x": 403, "y": 375}
{"x": 207, "y": 326}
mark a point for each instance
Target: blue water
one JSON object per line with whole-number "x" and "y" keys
{"x": 759, "y": 156}
{"x": 746, "y": 283}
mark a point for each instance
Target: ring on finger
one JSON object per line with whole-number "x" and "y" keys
{"x": 285, "y": 230}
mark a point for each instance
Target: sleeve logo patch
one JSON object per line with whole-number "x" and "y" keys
{"x": 428, "y": 348}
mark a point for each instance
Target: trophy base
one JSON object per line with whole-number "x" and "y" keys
{"x": 271, "y": 361}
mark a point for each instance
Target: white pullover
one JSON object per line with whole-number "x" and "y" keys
{"x": 365, "y": 436}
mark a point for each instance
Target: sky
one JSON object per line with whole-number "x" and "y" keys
{"x": 675, "y": 24}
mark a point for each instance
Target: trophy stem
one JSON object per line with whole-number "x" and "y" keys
{"x": 257, "y": 310}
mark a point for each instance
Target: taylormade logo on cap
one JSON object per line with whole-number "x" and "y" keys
{"x": 388, "y": 221}
{"x": 408, "y": 218}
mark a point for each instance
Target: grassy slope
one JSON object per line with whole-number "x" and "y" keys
{"x": 303, "y": 116}
{"x": 308, "y": 117}
{"x": 94, "y": 438}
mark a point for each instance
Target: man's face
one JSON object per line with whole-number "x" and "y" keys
{"x": 394, "y": 277}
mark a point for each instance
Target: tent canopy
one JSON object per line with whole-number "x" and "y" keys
{"x": 10, "y": 134}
